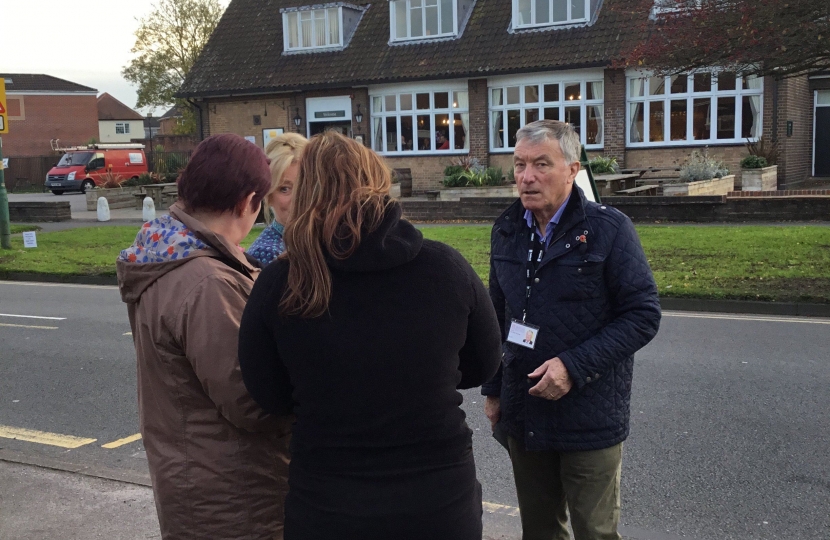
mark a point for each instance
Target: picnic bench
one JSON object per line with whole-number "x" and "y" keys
{"x": 642, "y": 171}
{"x": 648, "y": 190}
{"x": 163, "y": 195}
{"x": 608, "y": 184}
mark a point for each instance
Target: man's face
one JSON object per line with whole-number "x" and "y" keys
{"x": 543, "y": 176}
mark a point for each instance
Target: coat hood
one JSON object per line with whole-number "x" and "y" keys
{"x": 166, "y": 243}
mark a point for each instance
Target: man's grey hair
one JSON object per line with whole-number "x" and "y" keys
{"x": 553, "y": 130}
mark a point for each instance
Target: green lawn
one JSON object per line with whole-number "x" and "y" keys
{"x": 759, "y": 263}
{"x": 17, "y": 229}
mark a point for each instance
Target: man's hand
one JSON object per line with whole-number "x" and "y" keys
{"x": 492, "y": 408}
{"x": 555, "y": 380}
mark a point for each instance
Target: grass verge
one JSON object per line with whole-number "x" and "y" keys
{"x": 784, "y": 264}
{"x": 17, "y": 229}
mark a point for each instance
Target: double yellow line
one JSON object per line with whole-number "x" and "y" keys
{"x": 56, "y": 439}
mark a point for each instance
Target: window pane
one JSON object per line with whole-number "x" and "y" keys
{"x": 460, "y": 100}
{"x": 416, "y": 18}
{"x": 447, "y": 23}
{"x": 422, "y": 101}
{"x": 377, "y": 142}
{"x": 377, "y": 104}
{"x": 531, "y": 94}
{"x": 703, "y": 82}
{"x": 551, "y": 93}
{"x": 678, "y": 120}
{"x": 752, "y": 82}
{"x": 305, "y": 28}
{"x": 432, "y": 19}
{"x": 392, "y": 138}
{"x": 594, "y": 128}
{"x": 391, "y": 104}
{"x": 702, "y": 119}
{"x": 595, "y": 90}
{"x": 442, "y": 100}
{"x": 655, "y": 121}
{"x": 442, "y": 132}
{"x": 637, "y": 122}
{"x": 334, "y": 26}
{"x": 552, "y": 113}
{"x": 636, "y": 87}
{"x": 406, "y": 133}
{"x": 726, "y": 80}
{"x": 320, "y": 28}
{"x": 657, "y": 86}
{"x": 542, "y": 11}
{"x": 577, "y": 9}
{"x": 531, "y": 115}
{"x": 524, "y": 12}
{"x": 512, "y": 95}
{"x": 406, "y": 102}
{"x": 400, "y": 19}
{"x": 293, "y": 31}
{"x": 726, "y": 118}
{"x": 573, "y": 116}
{"x": 513, "y": 121}
{"x": 462, "y": 127}
{"x": 572, "y": 91}
{"x": 496, "y": 97}
{"x": 496, "y": 124}
{"x": 823, "y": 97}
{"x": 679, "y": 84}
{"x": 560, "y": 10}
{"x": 424, "y": 132}
{"x": 751, "y": 116}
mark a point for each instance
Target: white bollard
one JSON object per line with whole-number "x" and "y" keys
{"x": 148, "y": 213}
{"x": 103, "y": 209}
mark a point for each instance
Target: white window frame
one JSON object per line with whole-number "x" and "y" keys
{"x": 534, "y": 24}
{"x": 431, "y": 88}
{"x": 393, "y": 37}
{"x": 563, "y": 80}
{"x": 298, "y": 13}
{"x": 124, "y": 127}
{"x": 689, "y": 96}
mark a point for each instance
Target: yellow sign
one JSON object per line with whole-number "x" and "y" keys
{"x": 4, "y": 125}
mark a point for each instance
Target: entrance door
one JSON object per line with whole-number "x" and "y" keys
{"x": 821, "y": 149}
{"x": 329, "y": 113}
{"x": 319, "y": 127}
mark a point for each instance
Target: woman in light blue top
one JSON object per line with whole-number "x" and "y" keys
{"x": 284, "y": 152}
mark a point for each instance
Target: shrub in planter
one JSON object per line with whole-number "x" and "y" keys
{"x": 145, "y": 179}
{"x": 109, "y": 180}
{"x": 700, "y": 166}
{"x": 492, "y": 176}
{"x": 603, "y": 165}
{"x": 764, "y": 149}
{"x": 754, "y": 162}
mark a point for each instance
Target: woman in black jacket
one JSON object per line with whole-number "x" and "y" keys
{"x": 365, "y": 331}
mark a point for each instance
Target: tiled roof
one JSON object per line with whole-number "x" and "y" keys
{"x": 244, "y": 55}
{"x": 30, "y": 82}
{"x": 110, "y": 108}
{"x": 172, "y": 112}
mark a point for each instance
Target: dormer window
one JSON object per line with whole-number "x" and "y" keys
{"x": 538, "y": 13}
{"x": 423, "y": 19}
{"x": 313, "y": 29}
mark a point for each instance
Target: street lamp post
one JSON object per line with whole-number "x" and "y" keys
{"x": 5, "y": 225}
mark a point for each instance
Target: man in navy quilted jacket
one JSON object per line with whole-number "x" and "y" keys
{"x": 574, "y": 274}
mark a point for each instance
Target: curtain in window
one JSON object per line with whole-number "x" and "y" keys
{"x": 447, "y": 22}
{"x": 464, "y": 133}
{"x": 306, "y": 28}
{"x": 595, "y": 124}
{"x": 334, "y": 26}
{"x": 293, "y": 31}
{"x": 751, "y": 117}
{"x": 377, "y": 143}
{"x": 400, "y": 19}
{"x": 524, "y": 12}
{"x": 497, "y": 125}
{"x": 320, "y": 28}
{"x": 637, "y": 113}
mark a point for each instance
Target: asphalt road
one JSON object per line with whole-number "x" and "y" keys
{"x": 730, "y": 424}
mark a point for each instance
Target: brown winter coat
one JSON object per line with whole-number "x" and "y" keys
{"x": 218, "y": 463}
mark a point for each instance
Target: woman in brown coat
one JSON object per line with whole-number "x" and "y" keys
{"x": 218, "y": 462}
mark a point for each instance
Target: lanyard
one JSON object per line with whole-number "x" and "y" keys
{"x": 534, "y": 257}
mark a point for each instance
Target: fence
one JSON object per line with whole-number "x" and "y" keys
{"x": 169, "y": 163}
{"x": 28, "y": 173}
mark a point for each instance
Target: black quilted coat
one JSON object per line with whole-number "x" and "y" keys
{"x": 596, "y": 304}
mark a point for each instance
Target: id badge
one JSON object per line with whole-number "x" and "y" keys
{"x": 523, "y": 334}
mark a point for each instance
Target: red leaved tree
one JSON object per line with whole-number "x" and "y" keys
{"x": 782, "y": 38}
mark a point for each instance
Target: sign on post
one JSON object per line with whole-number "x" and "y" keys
{"x": 30, "y": 239}
{"x": 4, "y": 125}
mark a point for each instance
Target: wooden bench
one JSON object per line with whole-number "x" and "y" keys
{"x": 642, "y": 190}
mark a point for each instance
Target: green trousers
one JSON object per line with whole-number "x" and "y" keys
{"x": 550, "y": 485}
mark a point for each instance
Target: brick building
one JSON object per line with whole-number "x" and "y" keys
{"x": 42, "y": 108}
{"x": 423, "y": 81}
{"x": 117, "y": 123}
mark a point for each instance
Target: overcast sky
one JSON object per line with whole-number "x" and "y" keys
{"x": 83, "y": 41}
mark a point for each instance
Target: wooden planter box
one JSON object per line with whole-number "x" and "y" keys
{"x": 116, "y": 197}
{"x": 715, "y": 186}
{"x": 455, "y": 194}
{"x": 765, "y": 179}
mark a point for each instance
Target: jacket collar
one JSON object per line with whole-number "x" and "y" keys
{"x": 512, "y": 220}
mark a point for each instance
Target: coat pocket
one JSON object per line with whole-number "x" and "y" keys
{"x": 581, "y": 279}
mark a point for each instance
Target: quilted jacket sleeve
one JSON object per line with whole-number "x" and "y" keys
{"x": 493, "y": 387}
{"x": 636, "y": 311}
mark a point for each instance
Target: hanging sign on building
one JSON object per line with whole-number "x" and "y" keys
{"x": 4, "y": 125}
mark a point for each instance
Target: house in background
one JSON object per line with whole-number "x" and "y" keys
{"x": 117, "y": 123}
{"x": 151, "y": 127}
{"x": 169, "y": 121}
{"x": 42, "y": 108}
{"x": 422, "y": 83}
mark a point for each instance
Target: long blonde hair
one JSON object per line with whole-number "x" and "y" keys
{"x": 283, "y": 150}
{"x": 342, "y": 192}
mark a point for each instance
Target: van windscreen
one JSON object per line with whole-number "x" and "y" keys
{"x": 74, "y": 158}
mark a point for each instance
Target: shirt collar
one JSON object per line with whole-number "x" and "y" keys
{"x": 553, "y": 221}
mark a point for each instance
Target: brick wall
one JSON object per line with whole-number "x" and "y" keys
{"x": 676, "y": 157}
{"x": 479, "y": 120}
{"x": 427, "y": 171}
{"x": 238, "y": 116}
{"x": 72, "y": 119}
{"x": 614, "y": 136}
{"x": 795, "y": 104}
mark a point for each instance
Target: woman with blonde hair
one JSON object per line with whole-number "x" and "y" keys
{"x": 284, "y": 152}
{"x": 366, "y": 331}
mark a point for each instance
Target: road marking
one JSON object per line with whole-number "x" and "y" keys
{"x": 33, "y": 317}
{"x": 122, "y": 442}
{"x": 28, "y": 326}
{"x": 42, "y": 437}
{"x": 493, "y": 508}
{"x": 67, "y": 285}
{"x": 128, "y": 333}
{"x": 757, "y": 318}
